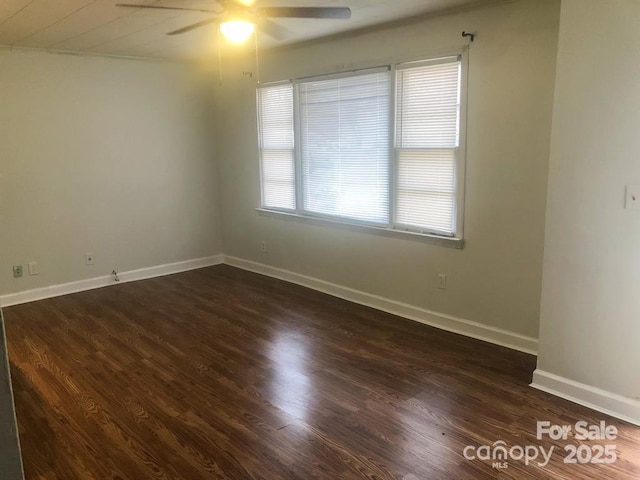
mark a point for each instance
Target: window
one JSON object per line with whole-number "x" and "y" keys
{"x": 275, "y": 116}
{"x": 344, "y": 146}
{"x": 427, "y": 139}
{"x": 378, "y": 147}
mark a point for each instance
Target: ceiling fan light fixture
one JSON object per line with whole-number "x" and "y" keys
{"x": 237, "y": 30}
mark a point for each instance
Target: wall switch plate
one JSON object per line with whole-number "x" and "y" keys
{"x": 17, "y": 271}
{"x": 33, "y": 268}
{"x": 633, "y": 197}
{"x": 442, "y": 281}
{"x": 89, "y": 259}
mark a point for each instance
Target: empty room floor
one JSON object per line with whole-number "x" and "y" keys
{"x": 223, "y": 374}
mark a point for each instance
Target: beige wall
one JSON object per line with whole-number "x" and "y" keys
{"x": 496, "y": 279}
{"x": 590, "y": 319}
{"x": 114, "y": 157}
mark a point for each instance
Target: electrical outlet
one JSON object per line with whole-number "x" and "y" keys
{"x": 89, "y": 259}
{"x": 17, "y": 271}
{"x": 33, "y": 268}
{"x": 442, "y": 281}
{"x": 263, "y": 246}
{"x": 633, "y": 197}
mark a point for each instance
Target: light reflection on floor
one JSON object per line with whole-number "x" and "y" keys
{"x": 291, "y": 387}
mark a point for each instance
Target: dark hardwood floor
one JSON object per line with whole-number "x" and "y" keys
{"x": 223, "y": 374}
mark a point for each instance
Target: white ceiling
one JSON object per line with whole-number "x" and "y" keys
{"x": 100, "y": 27}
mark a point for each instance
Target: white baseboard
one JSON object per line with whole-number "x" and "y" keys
{"x": 445, "y": 322}
{"x": 624, "y": 408}
{"x": 106, "y": 280}
{"x": 468, "y": 328}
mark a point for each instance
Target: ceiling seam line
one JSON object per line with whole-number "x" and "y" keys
{"x": 97, "y": 27}
{"x": 56, "y": 22}
{"x": 16, "y": 13}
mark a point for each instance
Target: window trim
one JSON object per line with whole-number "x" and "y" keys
{"x": 360, "y": 227}
{"x": 390, "y": 228}
{"x": 461, "y": 158}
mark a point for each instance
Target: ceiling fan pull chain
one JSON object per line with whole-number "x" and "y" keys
{"x": 219, "y": 57}
{"x": 255, "y": 35}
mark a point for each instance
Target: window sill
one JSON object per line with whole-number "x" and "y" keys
{"x": 448, "y": 242}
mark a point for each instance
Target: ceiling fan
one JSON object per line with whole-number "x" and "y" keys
{"x": 238, "y": 18}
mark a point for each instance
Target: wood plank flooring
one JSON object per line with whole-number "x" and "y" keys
{"x": 224, "y": 374}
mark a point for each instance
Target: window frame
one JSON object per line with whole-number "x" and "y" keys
{"x": 260, "y": 149}
{"x": 298, "y": 160}
{"x": 391, "y": 227}
{"x": 460, "y": 155}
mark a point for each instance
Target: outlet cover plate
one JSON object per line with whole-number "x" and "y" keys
{"x": 633, "y": 197}
{"x": 33, "y": 268}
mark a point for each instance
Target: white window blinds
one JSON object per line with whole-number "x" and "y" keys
{"x": 341, "y": 147}
{"x": 344, "y": 145}
{"x": 427, "y": 140}
{"x": 275, "y": 111}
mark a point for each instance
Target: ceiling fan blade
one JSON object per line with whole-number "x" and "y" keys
{"x": 272, "y": 29}
{"x": 193, "y": 26}
{"x": 158, "y": 7}
{"x": 306, "y": 12}
{"x": 245, "y": 3}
